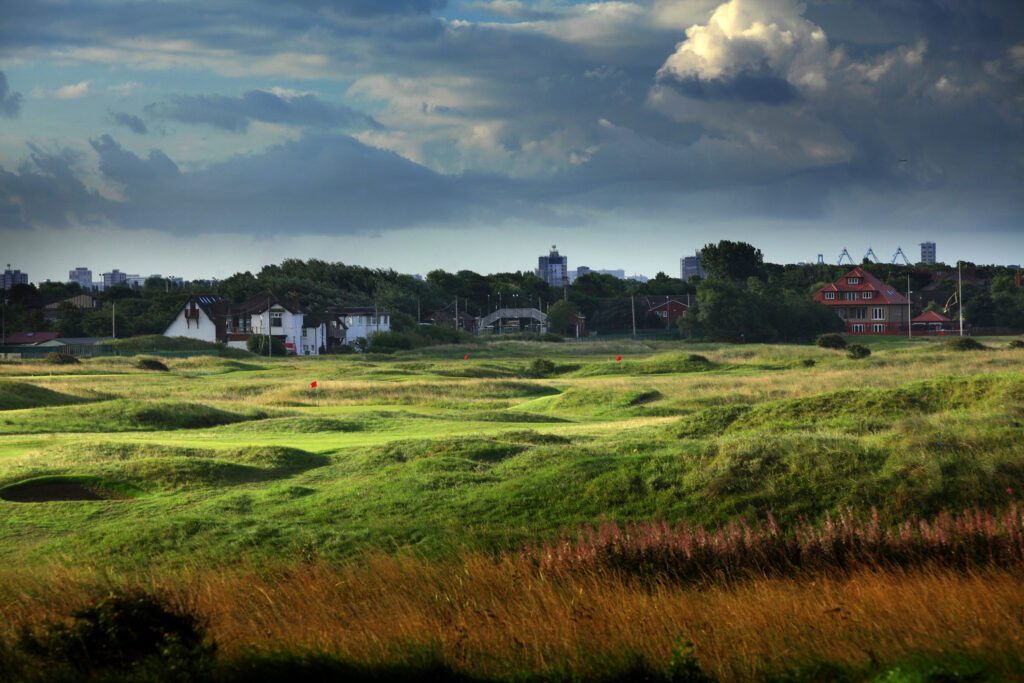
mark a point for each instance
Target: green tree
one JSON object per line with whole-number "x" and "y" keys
{"x": 728, "y": 260}
{"x": 561, "y": 315}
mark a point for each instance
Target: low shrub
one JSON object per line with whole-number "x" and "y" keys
{"x": 550, "y": 337}
{"x": 540, "y": 367}
{"x": 807, "y": 362}
{"x": 58, "y": 358}
{"x": 1016, "y": 344}
{"x": 124, "y": 631}
{"x": 697, "y": 358}
{"x": 831, "y": 341}
{"x": 257, "y": 343}
{"x": 857, "y": 351}
{"x": 964, "y": 344}
{"x": 149, "y": 363}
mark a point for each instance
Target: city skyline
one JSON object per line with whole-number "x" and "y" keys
{"x": 204, "y": 139}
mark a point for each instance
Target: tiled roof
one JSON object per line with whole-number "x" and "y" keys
{"x": 883, "y": 293}
{"x": 931, "y": 317}
{"x": 19, "y": 338}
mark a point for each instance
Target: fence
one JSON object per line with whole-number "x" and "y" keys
{"x": 93, "y": 351}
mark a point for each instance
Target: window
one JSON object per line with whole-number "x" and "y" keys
{"x": 853, "y": 280}
{"x": 841, "y": 312}
{"x": 850, "y": 296}
{"x": 275, "y": 320}
{"x": 866, "y": 295}
{"x": 878, "y": 314}
{"x": 878, "y": 328}
{"x": 857, "y": 328}
{"x": 830, "y": 295}
{"x": 858, "y": 313}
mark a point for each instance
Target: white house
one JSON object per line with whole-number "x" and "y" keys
{"x": 363, "y": 321}
{"x": 211, "y": 318}
{"x": 202, "y": 317}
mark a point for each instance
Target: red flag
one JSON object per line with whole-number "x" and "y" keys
{"x": 618, "y": 358}
{"x": 312, "y": 384}
{"x": 467, "y": 356}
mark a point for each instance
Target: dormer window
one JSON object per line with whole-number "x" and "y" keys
{"x": 275, "y": 320}
{"x": 850, "y": 296}
{"x": 866, "y": 295}
{"x": 853, "y": 280}
{"x": 830, "y": 295}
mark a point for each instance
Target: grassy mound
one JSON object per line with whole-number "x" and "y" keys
{"x": 604, "y": 400}
{"x": 664, "y": 364}
{"x": 475, "y": 450}
{"x": 22, "y": 395}
{"x": 67, "y": 487}
{"x": 511, "y": 416}
{"x": 279, "y": 459}
{"x": 298, "y": 425}
{"x": 859, "y": 407}
{"x": 121, "y": 415}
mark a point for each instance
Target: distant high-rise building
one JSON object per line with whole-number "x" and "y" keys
{"x": 927, "y": 252}
{"x": 12, "y": 277}
{"x": 114, "y": 277}
{"x": 82, "y": 276}
{"x": 553, "y": 268}
{"x": 582, "y": 270}
{"x": 690, "y": 265}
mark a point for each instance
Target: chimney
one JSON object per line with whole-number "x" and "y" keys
{"x": 295, "y": 299}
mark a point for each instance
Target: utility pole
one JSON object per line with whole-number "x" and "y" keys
{"x": 632, "y": 308}
{"x": 418, "y": 318}
{"x": 960, "y": 295}
{"x": 270, "y": 345}
{"x": 113, "y": 319}
{"x": 910, "y": 331}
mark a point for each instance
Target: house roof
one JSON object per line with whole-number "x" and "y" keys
{"x": 931, "y": 317}
{"x": 884, "y": 294}
{"x": 258, "y": 303}
{"x": 29, "y": 338}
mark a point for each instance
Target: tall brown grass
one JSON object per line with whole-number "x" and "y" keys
{"x": 491, "y": 616}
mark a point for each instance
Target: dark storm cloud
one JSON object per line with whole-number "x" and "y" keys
{"x": 134, "y": 172}
{"x": 46, "y": 191}
{"x": 129, "y": 121}
{"x": 235, "y": 113}
{"x": 10, "y": 102}
{"x": 745, "y": 86}
{"x": 363, "y": 8}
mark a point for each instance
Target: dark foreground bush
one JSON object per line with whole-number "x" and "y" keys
{"x": 540, "y": 367}
{"x": 831, "y": 341}
{"x": 57, "y": 358}
{"x": 550, "y": 337}
{"x": 123, "y": 632}
{"x": 147, "y": 363}
{"x": 857, "y": 351}
{"x": 1016, "y": 344}
{"x": 964, "y": 344}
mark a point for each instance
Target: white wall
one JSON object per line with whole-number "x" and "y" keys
{"x": 205, "y": 330}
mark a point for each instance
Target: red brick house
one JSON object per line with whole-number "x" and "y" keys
{"x": 672, "y": 307}
{"x": 866, "y": 304}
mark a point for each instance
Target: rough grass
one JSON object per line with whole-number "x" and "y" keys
{"x": 23, "y": 395}
{"x": 483, "y": 618}
{"x": 121, "y": 415}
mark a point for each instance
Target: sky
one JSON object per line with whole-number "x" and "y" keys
{"x": 199, "y": 138}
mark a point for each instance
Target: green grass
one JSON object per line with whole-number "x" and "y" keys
{"x": 428, "y": 451}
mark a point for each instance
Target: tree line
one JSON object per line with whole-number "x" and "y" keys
{"x": 742, "y": 298}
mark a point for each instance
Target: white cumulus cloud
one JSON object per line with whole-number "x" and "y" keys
{"x": 753, "y": 36}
